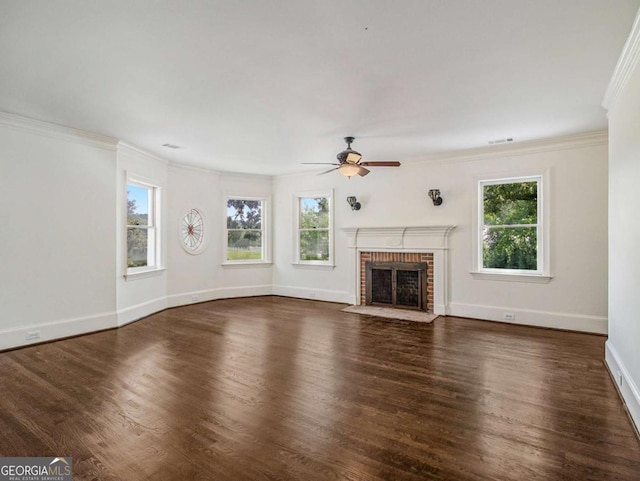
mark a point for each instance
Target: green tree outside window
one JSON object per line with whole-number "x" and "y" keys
{"x": 314, "y": 229}
{"x": 244, "y": 230}
{"x": 138, "y": 224}
{"x": 510, "y": 227}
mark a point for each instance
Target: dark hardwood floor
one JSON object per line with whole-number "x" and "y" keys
{"x": 272, "y": 388}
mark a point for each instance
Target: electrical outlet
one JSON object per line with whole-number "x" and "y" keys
{"x": 195, "y": 297}
{"x": 32, "y": 335}
{"x": 619, "y": 378}
{"x": 312, "y": 294}
{"x": 509, "y": 316}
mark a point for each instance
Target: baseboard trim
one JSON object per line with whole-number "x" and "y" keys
{"x": 186, "y": 298}
{"x": 627, "y": 388}
{"x": 342, "y": 297}
{"x": 554, "y": 320}
{"x": 144, "y": 309}
{"x": 51, "y": 331}
{"x": 14, "y": 338}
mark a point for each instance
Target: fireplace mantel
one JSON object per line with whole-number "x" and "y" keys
{"x": 414, "y": 237}
{"x": 422, "y": 239}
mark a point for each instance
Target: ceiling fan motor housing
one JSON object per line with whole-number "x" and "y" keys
{"x": 349, "y": 155}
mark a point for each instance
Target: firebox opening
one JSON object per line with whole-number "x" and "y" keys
{"x": 397, "y": 284}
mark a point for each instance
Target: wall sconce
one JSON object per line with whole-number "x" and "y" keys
{"x": 435, "y": 196}
{"x": 353, "y": 202}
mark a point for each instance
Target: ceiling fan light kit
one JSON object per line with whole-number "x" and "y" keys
{"x": 349, "y": 162}
{"x": 349, "y": 170}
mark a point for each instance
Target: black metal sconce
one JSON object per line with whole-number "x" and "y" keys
{"x": 353, "y": 202}
{"x": 435, "y": 196}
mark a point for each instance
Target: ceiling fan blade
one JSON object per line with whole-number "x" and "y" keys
{"x": 362, "y": 172}
{"x": 327, "y": 171}
{"x": 381, "y": 164}
{"x": 319, "y": 163}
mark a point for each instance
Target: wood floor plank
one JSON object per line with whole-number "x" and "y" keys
{"x": 272, "y": 388}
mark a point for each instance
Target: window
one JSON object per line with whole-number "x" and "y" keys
{"x": 314, "y": 229}
{"x": 511, "y": 238}
{"x": 246, "y": 235}
{"x": 142, "y": 224}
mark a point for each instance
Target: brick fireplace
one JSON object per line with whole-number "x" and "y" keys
{"x": 396, "y": 245}
{"x": 408, "y": 262}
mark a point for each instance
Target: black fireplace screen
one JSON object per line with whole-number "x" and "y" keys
{"x": 397, "y": 284}
{"x": 382, "y": 286}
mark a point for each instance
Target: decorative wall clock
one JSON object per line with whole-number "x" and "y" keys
{"x": 192, "y": 231}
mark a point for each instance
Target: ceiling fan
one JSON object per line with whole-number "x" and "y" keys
{"x": 349, "y": 162}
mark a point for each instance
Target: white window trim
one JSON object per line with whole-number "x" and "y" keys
{"x": 543, "y": 273}
{"x": 266, "y": 233}
{"x": 328, "y": 264}
{"x": 143, "y": 274}
{"x": 132, "y": 273}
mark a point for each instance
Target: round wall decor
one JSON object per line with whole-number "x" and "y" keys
{"x": 192, "y": 232}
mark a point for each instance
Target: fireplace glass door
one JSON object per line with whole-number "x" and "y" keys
{"x": 396, "y": 284}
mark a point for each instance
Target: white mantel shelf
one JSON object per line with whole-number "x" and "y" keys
{"x": 431, "y": 238}
{"x": 412, "y": 237}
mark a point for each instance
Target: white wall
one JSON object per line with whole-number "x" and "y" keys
{"x": 202, "y": 277}
{"x": 623, "y": 102}
{"x": 63, "y": 235}
{"x": 51, "y": 177}
{"x": 58, "y": 231}
{"x": 187, "y": 278}
{"x": 576, "y": 297}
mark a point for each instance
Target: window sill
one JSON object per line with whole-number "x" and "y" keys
{"x": 311, "y": 265}
{"x": 252, "y": 264}
{"x": 496, "y": 276}
{"x": 132, "y": 276}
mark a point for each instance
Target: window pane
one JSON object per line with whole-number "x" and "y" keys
{"x": 506, "y": 204}
{"x": 509, "y": 248}
{"x": 314, "y": 213}
{"x": 244, "y": 245}
{"x": 314, "y": 245}
{"x": 244, "y": 214}
{"x": 137, "y": 242}
{"x": 137, "y": 205}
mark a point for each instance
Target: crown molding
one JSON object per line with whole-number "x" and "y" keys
{"x": 242, "y": 176}
{"x": 221, "y": 173}
{"x": 627, "y": 62}
{"x": 47, "y": 129}
{"x": 192, "y": 168}
{"x": 600, "y": 137}
{"x": 586, "y": 139}
{"x": 134, "y": 151}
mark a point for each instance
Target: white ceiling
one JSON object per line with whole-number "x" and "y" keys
{"x": 260, "y": 86}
